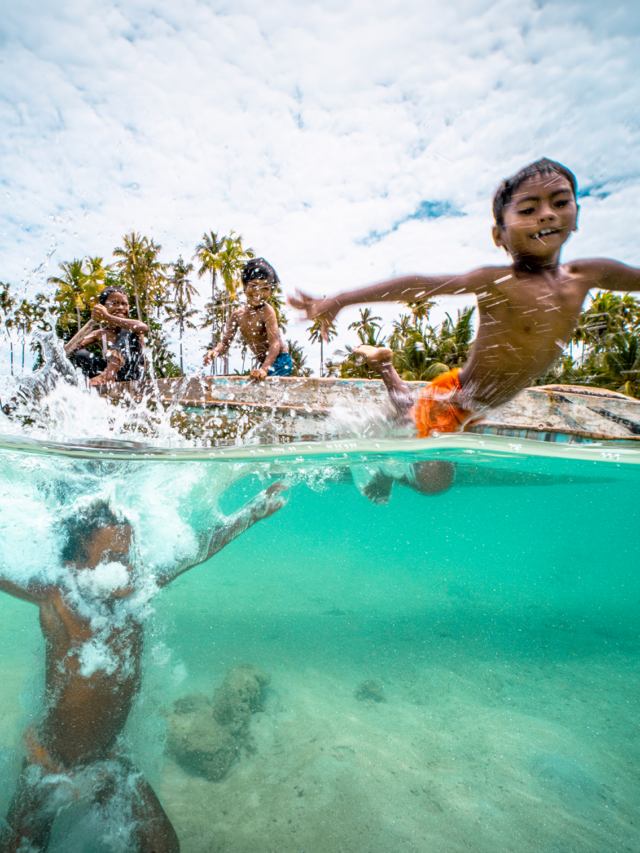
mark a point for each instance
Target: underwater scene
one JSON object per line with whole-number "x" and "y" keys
{"x": 410, "y": 672}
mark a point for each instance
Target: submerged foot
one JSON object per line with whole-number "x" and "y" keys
{"x": 376, "y": 357}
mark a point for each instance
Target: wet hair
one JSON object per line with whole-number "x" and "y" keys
{"x": 106, "y": 293}
{"x": 505, "y": 191}
{"x": 78, "y": 528}
{"x": 258, "y": 268}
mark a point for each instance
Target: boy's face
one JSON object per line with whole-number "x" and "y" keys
{"x": 117, "y": 304}
{"x": 96, "y": 571}
{"x": 257, "y": 292}
{"x": 539, "y": 218}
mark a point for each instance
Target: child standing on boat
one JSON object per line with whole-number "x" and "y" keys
{"x": 528, "y": 310}
{"x": 258, "y": 323}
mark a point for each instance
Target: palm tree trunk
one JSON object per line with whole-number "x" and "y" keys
{"x": 321, "y": 356}
{"x": 137, "y": 295}
{"x": 226, "y": 311}
{"x": 214, "y": 335}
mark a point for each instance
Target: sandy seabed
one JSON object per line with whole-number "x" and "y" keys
{"x": 507, "y": 655}
{"x": 465, "y": 753}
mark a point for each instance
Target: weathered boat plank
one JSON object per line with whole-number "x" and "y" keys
{"x": 298, "y": 408}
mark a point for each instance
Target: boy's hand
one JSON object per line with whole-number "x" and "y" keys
{"x": 210, "y": 355}
{"x": 258, "y": 373}
{"x": 100, "y": 314}
{"x": 326, "y": 309}
{"x": 268, "y": 502}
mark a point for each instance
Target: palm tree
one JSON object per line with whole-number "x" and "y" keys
{"x": 368, "y": 328}
{"x": 142, "y": 271}
{"x": 7, "y": 304}
{"x": 76, "y": 290}
{"x": 180, "y": 310}
{"x": 208, "y": 253}
{"x": 299, "y": 359}
{"x": 315, "y": 336}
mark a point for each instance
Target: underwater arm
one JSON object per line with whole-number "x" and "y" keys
{"x": 409, "y": 288}
{"x": 262, "y": 506}
{"x": 33, "y": 593}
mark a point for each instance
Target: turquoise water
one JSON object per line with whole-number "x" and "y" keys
{"x": 447, "y": 673}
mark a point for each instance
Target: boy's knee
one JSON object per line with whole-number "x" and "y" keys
{"x": 433, "y": 476}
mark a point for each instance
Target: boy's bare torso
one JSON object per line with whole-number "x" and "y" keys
{"x": 525, "y": 321}
{"x": 86, "y": 713}
{"x": 252, "y": 323}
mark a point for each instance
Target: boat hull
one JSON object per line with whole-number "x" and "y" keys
{"x": 292, "y": 408}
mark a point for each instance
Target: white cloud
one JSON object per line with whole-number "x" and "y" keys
{"x": 310, "y": 127}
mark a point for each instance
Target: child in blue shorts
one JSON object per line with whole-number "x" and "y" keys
{"x": 258, "y": 324}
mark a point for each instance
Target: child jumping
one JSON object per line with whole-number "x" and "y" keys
{"x": 527, "y": 310}
{"x": 121, "y": 340}
{"x": 92, "y": 621}
{"x": 258, "y": 323}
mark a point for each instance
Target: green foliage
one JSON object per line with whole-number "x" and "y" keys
{"x": 315, "y": 336}
{"x": 420, "y": 351}
{"x": 608, "y": 342}
{"x": 299, "y": 359}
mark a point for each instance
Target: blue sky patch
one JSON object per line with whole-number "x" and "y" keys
{"x": 425, "y": 210}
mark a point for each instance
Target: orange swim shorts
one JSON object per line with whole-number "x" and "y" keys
{"x": 435, "y": 411}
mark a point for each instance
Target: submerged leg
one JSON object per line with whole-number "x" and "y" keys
{"x": 379, "y": 359}
{"x": 30, "y": 816}
{"x": 154, "y": 831}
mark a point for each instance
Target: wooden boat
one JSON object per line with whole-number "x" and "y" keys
{"x": 232, "y": 408}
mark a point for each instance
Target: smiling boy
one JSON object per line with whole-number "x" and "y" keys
{"x": 527, "y": 310}
{"x": 258, "y": 323}
{"x": 120, "y": 337}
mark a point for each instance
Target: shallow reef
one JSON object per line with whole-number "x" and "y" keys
{"x": 205, "y": 736}
{"x": 370, "y": 691}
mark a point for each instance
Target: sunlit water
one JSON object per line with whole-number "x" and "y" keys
{"x": 447, "y": 673}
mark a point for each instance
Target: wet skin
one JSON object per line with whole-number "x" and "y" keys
{"x": 527, "y": 311}
{"x": 258, "y": 326}
{"x": 115, "y": 315}
{"x": 85, "y": 714}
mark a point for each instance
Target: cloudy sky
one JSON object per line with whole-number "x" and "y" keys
{"x": 345, "y": 140}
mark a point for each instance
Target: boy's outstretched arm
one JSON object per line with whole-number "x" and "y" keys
{"x": 32, "y": 592}
{"x": 262, "y": 506}
{"x": 611, "y": 275}
{"x": 408, "y": 288}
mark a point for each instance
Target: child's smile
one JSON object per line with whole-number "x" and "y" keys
{"x": 539, "y": 219}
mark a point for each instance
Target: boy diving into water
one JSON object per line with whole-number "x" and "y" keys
{"x": 121, "y": 340}
{"x": 527, "y": 310}
{"x": 92, "y": 621}
{"x": 258, "y": 323}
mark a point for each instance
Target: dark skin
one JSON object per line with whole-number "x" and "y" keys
{"x": 86, "y": 713}
{"x": 527, "y": 310}
{"x": 258, "y": 326}
{"x": 114, "y": 315}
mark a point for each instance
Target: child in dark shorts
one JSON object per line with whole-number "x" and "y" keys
{"x": 121, "y": 339}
